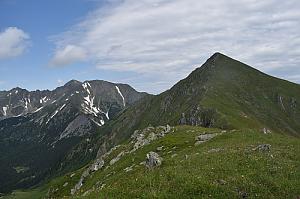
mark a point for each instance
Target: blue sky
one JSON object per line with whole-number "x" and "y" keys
{"x": 149, "y": 44}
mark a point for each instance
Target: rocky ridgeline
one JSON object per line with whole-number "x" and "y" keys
{"x": 139, "y": 139}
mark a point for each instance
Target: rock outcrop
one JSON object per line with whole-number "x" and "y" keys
{"x": 153, "y": 160}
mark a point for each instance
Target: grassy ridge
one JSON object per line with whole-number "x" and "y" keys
{"x": 224, "y": 167}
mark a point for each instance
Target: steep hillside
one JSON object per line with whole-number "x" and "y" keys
{"x": 39, "y": 130}
{"x": 195, "y": 163}
{"x": 222, "y": 93}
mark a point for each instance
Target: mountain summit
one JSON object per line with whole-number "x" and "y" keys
{"x": 224, "y": 93}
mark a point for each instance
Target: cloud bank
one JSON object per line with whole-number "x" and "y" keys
{"x": 13, "y": 42}
{"x": 168, "y": 38}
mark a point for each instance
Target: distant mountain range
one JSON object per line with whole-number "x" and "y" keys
{"x": 39, "y": 128}
{"x": 44, "y": 134}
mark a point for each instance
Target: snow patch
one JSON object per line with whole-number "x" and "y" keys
{"x": 55, "y": 113}
{"x": 27, "y": 102}
{"x": 106, "y": 114}
{"x": 99, "y": 124}
{"x": 124, "y": 104}
{"x": 44, "y": 100}
{"x": 37, "y": 110}
{"x": 5, "y": 110}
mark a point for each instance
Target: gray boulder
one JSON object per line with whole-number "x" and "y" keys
{"x": 263, "y": 148}
{"x": 153, "y": 160}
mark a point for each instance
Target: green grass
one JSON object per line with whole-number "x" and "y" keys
{"x": 27, "y": 194}
{"x": 196, "y": 171}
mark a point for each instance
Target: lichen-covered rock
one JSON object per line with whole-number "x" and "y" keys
{"x": 153, "y": 160}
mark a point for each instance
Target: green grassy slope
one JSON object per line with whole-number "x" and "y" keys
{"x": 222, "y": 93}
{"x": 251, "y": 99}
{"x": 223, "y": 167}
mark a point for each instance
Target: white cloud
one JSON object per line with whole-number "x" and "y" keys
{"x": 167, "y": 38}
{"x": 13, "y": 42}
{"x": 68, "y": 55}
{"x": 60, "y": 82}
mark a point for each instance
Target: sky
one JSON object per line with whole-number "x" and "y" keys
{"x": 149, "y": 44}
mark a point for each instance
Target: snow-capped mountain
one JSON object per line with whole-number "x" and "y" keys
{"x": 40, "y": 124}
{"x": 97, "y": 98}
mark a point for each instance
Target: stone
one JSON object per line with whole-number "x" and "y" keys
{"x": 116, "y": 159}
{"x": 266, "y": 131}
{"x": 160, "y": 148}
{"x": 152, "y": 136}
{"x": 242, "y": 194}
{"x": 174, "y": 155}
{"x": 221, "y": 182}
{"x": 263, "y": 148}
{"x": 99, "y": 163}
{"x": 205, "y": 137}
{"x": 198, "y": 143}
{"x": 127, "y": 169}
{"x": 66, "y": 184}
{"x": 215, "y": 150}
{"x": 153, "y": 160}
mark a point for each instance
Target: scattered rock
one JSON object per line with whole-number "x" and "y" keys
{"x": 174, "y": 155}
{"x": 215, "y": 150}
{"x": 205, "y": 137}
{"x": 72, "y": 175}
{"x": 116, "y": 159}
{"x": 143, "y": 163}
{"x": 98, "y": 164}
{"x": 221, "y": 182}
{"x": 198, "y": 143}
{"x": 160, "y": 148}
{"x": 127, "y": 169}
{"x": 263, "y": 148}
{"x": 153, "y": 160}
{"x": 266, "y": 131}
{"x": 144, "y": 137}
{"x": 242, "y": 194}
{"x": 66, "y": 184}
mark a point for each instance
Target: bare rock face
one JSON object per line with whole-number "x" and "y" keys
{"x": 153, "y": 160}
